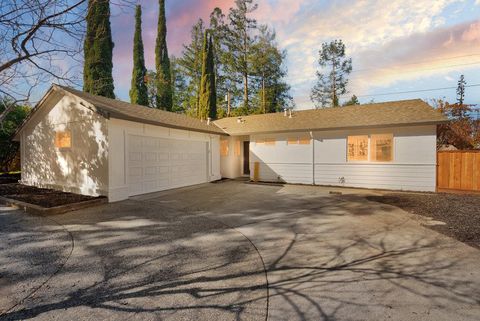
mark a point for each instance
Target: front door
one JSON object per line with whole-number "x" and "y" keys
{"x": 246, "y": 158}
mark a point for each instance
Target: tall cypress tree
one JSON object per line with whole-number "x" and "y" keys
{"x": 212, "y": 111}
{"x": 98, "y": 47}
{"x": 208, "y": 96}
{"x": 138, "y": 91}
{"x": 162, "y": 63}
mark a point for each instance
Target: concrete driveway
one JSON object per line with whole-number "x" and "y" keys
{"x": 235, "y": 251}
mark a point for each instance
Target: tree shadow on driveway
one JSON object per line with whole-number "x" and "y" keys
{"x": 200, "y": 254}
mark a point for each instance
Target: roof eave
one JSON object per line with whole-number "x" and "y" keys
{"x": 433, "y": 122}
{"x": 156, "y": 123}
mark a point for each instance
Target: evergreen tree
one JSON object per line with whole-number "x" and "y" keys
{"x": 138, "y": 91}
{"x": 179, "y": 88}
{"x": 208, "y": 99}
{"x": 267, "y": 67}
{"x": 461, "y": 90}
{"x": 217, "y": 31}
{"x": 239, "y": 42}
{"x": 352, "y": 101}
{"x": 212, "y": 111}
{"x": 333, "y": 81}
{"x": 190, "y": 65}
{"x": 98, "y": 47}
{"x": 162, "y": 62}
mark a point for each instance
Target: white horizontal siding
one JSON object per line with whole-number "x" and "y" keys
{"x": 285, "y": 172}
{"x": 413, "y": 167}
{"x": 386, "y": 176}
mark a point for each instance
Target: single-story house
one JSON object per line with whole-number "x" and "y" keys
{"x": 78, "y": 142}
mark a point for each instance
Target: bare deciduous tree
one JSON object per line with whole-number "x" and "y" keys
{"x": 41, "y": 41}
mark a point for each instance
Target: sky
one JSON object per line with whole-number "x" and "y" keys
{"x": 396, "y": 46}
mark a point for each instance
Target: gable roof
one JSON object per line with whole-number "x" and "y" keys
{"x": 397, "y": 113}
{"x": 123, "y": 110}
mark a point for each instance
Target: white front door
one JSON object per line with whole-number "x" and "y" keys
{"x": 156, "y": 164}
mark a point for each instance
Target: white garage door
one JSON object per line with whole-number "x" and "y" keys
{"x": 156, "y": 164}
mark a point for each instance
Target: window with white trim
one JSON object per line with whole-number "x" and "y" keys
{"x": 373, "y": 148}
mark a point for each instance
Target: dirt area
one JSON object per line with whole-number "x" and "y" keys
{"x": 459, "y": 212}
{"x": 40, "y": 196}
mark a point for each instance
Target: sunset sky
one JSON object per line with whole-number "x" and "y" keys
{"x": 396, "y": 45}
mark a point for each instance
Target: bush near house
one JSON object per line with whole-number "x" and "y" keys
{"x": 9, "y": 150}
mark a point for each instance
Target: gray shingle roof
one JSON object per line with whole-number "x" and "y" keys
{"x": 123, "y": 110}
{"x": 397, "y": 113}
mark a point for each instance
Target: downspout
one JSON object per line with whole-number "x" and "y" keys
{"x": 313, "y": 158}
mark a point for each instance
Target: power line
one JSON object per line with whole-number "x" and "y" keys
{"x": 417, "y": 62}
{"x": 414, "y": 91}
{"x": 425, "y": 69}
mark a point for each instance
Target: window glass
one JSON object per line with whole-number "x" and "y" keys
{"x": 381, "y": 148}
{"x": 224, "y": 148}
{"x": 63, "y": 139}
{"x": 357, "y": 149}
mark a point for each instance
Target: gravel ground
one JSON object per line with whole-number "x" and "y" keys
{"x": 40, "y": 196}
{"x": 459, "y": 212}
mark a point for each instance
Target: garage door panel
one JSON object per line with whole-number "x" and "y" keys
{"x": 156, "y": 164}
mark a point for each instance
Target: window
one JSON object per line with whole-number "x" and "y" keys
{"x": 292, "y": 141}
{"x": 224, "y": 148}
{"x": 357, "y": 149}
{"x": 63, "y": 139}
{"x": 381, "y": 148}
{"x": 269, "y": 141}
{"x": 304, "y": 140}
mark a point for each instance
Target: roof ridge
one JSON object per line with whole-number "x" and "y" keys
{"x": 331, "y": 108}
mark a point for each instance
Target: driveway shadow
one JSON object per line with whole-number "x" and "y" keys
{"x": 235, "y": 252}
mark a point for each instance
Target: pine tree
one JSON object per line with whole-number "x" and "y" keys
{"x": 212, "y": 111}
{"x": 162, "y": 63}
{"x": 353, "y": 101}
{"x": 267, "y": 67}
{"x": 461, "y": 90}
{"x": 239, "y": 42}
{"x": 98, "y": 48}
{"x": 208, "y": 97}
{"x": 333, "y": 81}
{"x": 190, "y": 65}
{"x": 138, "y": 91}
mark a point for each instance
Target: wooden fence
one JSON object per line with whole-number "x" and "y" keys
{"x": 458, "y": 170}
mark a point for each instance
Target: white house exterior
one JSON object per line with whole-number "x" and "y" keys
{"x": 312, "y": 147}
{"x": 93, "y": 145}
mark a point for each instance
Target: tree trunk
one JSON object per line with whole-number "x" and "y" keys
{"x": 334, "y": 89}
{"x": 245, "y": 90}
{"x": 263, "y": 94}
